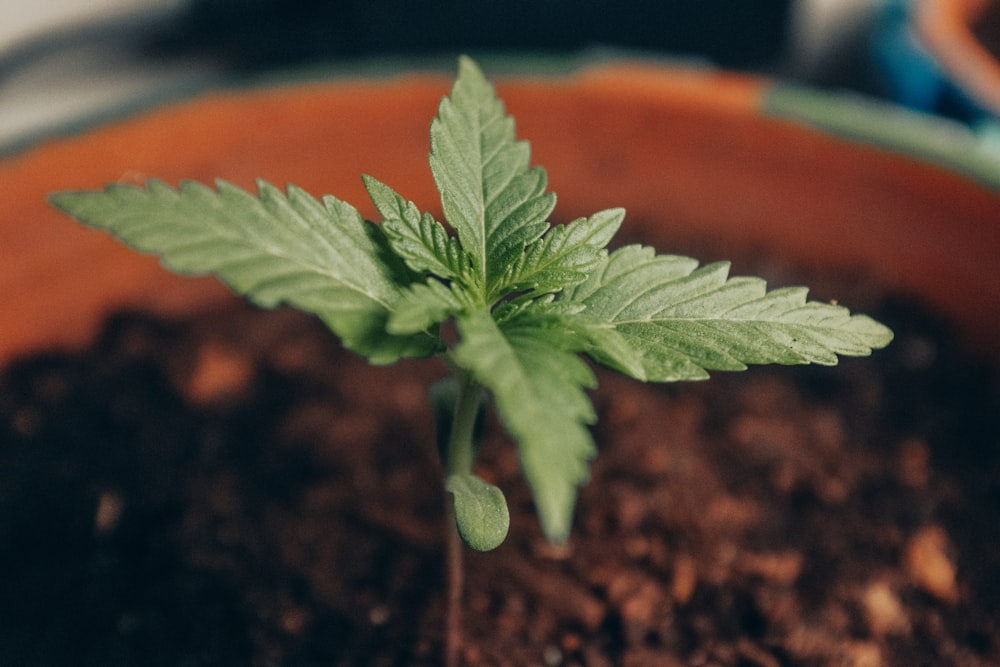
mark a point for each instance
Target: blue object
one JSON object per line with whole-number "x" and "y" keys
{"x": 911, "y": 74}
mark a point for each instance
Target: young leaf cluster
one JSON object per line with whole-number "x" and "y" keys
{"x": 527, "y": 297}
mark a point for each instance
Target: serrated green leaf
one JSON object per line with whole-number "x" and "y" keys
{"x": 564, "y": 256}
{"x": 516, "y": 217}
{"x": 481, "y": 513}
{"x": 490, "y": 195}
{"x": 630, "y": 265}
{"x": 538, "y": 386}
{"x": 274, "y": 248}
{"x": 569, "y": 325}
{"x": 417, "y": 238}
{"x": 685, "y": 320}
{"x": 607, "y": 346}
{"x": 423, "y": 305}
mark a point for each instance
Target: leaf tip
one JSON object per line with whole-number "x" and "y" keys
{"x": 467, "y": 64}
{"x": 879, "y": 335}
{"x": 62, "y": 199}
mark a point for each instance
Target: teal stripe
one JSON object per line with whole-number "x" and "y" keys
{"x": 932, "y": 139}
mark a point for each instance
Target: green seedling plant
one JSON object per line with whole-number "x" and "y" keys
{"x": 509, "y": 301}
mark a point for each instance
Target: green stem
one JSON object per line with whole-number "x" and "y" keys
{"x": 461, "y": 451}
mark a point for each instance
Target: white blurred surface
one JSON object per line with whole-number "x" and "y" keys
{"x": 820, "y": 31}
{"x": 61, "y": 60}
{"x": 27, "y": 19}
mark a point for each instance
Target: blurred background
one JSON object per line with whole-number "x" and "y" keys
{"x": 65, "y": 59}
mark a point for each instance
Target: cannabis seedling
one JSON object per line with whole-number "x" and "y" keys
{"x": 521, "y": 298}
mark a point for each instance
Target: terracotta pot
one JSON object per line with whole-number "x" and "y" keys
{"x": 725, "y": 531}
{"x": 695, "y": 150}
{"x": 963, "y": 37}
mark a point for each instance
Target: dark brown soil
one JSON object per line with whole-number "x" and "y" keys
{"x": 235, "y": 489}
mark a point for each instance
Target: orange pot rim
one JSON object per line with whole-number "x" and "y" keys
{"x": 844, "y": 115}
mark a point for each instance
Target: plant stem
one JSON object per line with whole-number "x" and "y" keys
{"x": 461, "y": 442}
{"x": 459, "y": 457}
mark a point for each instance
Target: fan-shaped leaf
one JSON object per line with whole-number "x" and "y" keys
{"x": 537, "y": 384}
{"x": 685, "y": 320}
{"x": 420, "y": 240}
{"x": 490, "y": 195}
{"x": 275, "y": 248}
{"x": 564, "y": 256}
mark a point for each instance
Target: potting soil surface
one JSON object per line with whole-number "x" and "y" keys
{"x": 235, "y": 489}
